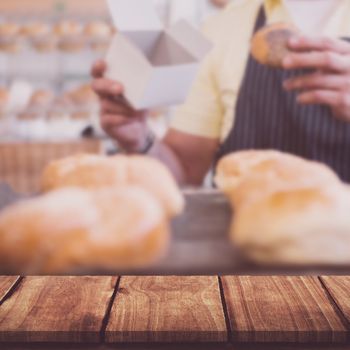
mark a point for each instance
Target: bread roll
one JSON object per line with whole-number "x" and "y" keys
{"x": 35, "y": 30}
{"x": 98, "y": 30}
{"x": 38, "y": 105}
{"x": 243, "y": 174}
{"x": 9, "y": 30}
{"x": 270, "y": 44}
{"x": 287, "y": 209}
{"x": 40, "y": 35}
{"x": 69, "y": 34}
{"x": 76, "y": 230}
{"x": 83, "y": 95}
{"x": 41, "y": 99}
{"x": 301, "y": 226}
{"x": 9, "y": 37}
{"x": 68, "y": 28}
{"x": 93, "y": 172}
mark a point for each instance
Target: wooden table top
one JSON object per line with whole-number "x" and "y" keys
{"x": 233, "y": 313}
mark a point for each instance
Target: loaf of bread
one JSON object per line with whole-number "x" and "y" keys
{"x": 70, "y": 35}
{"x": 35, "y": 29}
{"x": 95, "y": 172}
{"x": 74, "y": 230}
{"x": 243, "y": 174}
{"x": 270, "y": 44}
{"x": 40, "y": 36}
{"x": 9, "y": 37}
{"x": 98, "y": 30}
{"x": 301, "y": 226}
{"x": 287, "y": 209}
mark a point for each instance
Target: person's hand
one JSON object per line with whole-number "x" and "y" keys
{"x": 125, "y": 125}
{"x": 329, "y": 84}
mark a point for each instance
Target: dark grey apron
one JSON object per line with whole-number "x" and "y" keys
{"x": 268, "y": 117}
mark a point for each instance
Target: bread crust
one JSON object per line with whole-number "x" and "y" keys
{"x": 288, "y": 210}
{"x": 95, "y": 172}
{"x": 74, "y": 230}
{"x": 270, "y": 44}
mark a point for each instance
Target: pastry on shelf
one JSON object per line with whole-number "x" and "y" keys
{"x": 38, "y": 105}
{"x": 9, "y": 37}
{"x": 287, "y": 210}
{"x": 85, "y": 102}
{"x": 70, "y": 35}
{"x": 61, "y": 108}
{"x": 94, "y": 172}
{"x": 41, "y": 98}
{"x": 40, "y": 36}
{"x": 98, "y": 34}
{"x": 73, "y": 230}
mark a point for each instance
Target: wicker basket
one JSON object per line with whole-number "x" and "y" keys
{"x": 21, "y": 164}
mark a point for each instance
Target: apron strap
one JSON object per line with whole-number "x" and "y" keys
{"x": 261, "y": 19}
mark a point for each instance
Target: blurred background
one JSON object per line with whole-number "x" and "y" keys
{"x": 47, "y": 107}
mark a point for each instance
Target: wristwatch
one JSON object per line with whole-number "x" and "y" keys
{"x": 149, "y": 142}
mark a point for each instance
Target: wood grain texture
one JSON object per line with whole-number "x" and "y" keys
{"x": 56, "y": 309}
{"x": 6, "y": 284}
{"x": 281, "y": 309}
{"x": 339, "y": 289}
{"x": 167, "y": 309}
{"x": 222, "y": 346}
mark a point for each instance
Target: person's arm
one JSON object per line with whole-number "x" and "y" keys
{"x": 329, "y": 84}
{"x": 189, "y": 157}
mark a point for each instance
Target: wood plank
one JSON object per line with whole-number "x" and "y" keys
{"x": 339, "y": 289}
{"x": 281, "y": 309}
{"x": 221, "y": 346}
{"x": 167, "y": 309}
{"x": 56, "y": 309}
{"x": 6, "y": 285}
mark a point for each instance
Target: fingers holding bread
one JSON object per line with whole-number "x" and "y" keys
{"x": 270, "y": 45}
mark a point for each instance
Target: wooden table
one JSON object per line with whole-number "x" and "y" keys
{"x": 233, "y": 313}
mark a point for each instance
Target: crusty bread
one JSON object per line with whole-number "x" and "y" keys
{"x": 94, "y": 172}
{"x": 98, "y": 30}
{"x": 68, "y": 28}
{"x": 77, "y": 230}
{"x": 246, "y": 172}
{"x": 287, "y": 209}
{"x": 70, "y": 35}
{"x": 270, "y": 44}
{"x": 9, "y": 29}
{"x": 35, "y": 30}
{"x": 302, "y": 226}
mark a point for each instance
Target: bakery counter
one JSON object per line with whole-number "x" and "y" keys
{"x": 200, "y": 244}
{"x": 236, "y": 313}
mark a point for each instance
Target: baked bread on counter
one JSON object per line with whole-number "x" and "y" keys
{"x": 72, "y": 230}
{"x": 96, "y": 172}
{"x": 287, "y": 210}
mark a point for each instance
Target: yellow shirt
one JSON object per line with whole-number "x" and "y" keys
{"x": 209, "y": 109}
